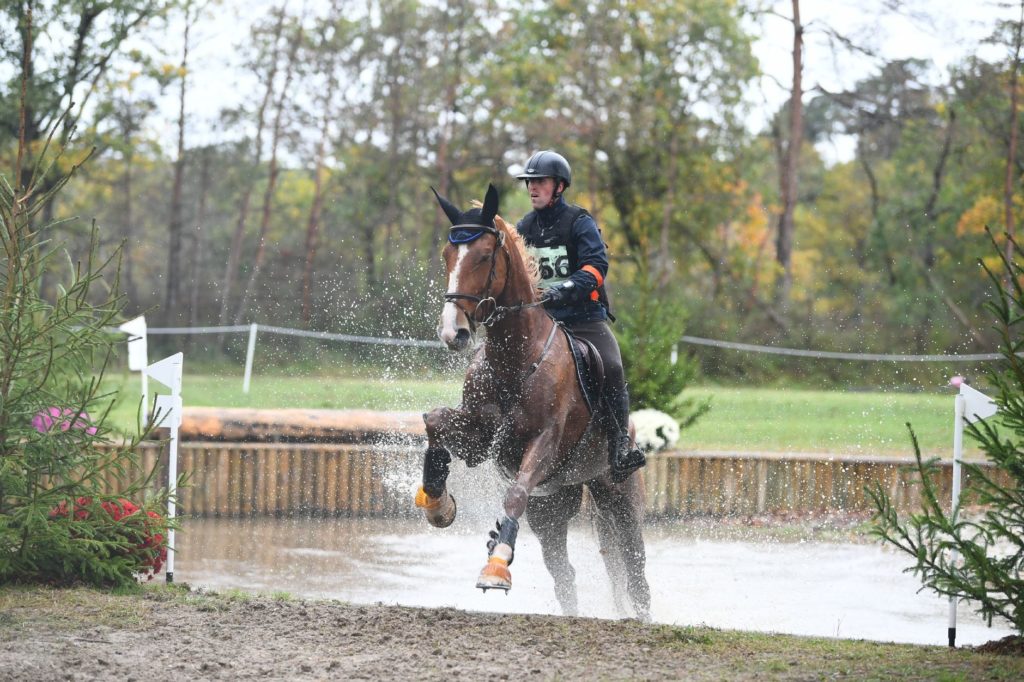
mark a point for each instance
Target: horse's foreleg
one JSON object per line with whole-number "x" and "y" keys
{"x": 537, "y": 464}
{"x": 433, "y": 497}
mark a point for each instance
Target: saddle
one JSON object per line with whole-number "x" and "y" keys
{"x": 589, "y": 369}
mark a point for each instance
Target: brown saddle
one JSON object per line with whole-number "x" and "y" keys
{"x": 589, "y": 369}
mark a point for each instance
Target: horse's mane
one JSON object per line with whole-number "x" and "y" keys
{"x": 516, "y": 239}
{"x": 513, "y": 237}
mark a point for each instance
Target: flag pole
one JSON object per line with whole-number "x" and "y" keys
{"x": 958, "y": 449}
{"x": 168, "y": 408}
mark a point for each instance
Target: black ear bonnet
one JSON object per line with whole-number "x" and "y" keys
{"x": 471, "y": 224}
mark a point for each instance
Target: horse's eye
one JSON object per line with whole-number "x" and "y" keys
{"x": 483, "y": 257}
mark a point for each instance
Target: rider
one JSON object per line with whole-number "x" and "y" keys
{"x": 571, "y": 256}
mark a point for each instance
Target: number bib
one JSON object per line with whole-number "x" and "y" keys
{"x": 553, "y": 263}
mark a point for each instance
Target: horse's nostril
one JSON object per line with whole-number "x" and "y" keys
{"x": 462, "y": 336}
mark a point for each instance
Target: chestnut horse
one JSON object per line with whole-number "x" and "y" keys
{"x": 523, "y": 407}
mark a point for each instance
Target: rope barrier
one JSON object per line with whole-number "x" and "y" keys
{"x": 327, "y": 336}
{"x": 831, "y": 355}
{"x": 693, "y": 340}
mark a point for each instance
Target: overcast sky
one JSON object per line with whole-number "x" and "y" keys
{"x": 943, "y": 31}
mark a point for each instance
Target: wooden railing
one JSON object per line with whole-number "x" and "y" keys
{"x": 241, "y": 479}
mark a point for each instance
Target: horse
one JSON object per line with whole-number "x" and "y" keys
{"x": 523, "y": 407}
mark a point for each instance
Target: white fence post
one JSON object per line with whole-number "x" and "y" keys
{"x": 248, "y": 358}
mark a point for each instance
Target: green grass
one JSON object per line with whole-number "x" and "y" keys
{"x": 796, "y": 420}
{"x": 742, "y": 419}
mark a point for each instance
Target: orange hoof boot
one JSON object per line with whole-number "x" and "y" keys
{"x": 440, "y": 511}
{"x": 495, "y": 575}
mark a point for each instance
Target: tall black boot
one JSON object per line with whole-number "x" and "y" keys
{"x": 624, "y": 457}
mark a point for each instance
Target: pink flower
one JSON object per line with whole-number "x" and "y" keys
{"x": 45, "y": 419}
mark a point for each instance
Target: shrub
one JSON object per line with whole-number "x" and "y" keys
{"x": 53, "y": 455}
{"x": 648, "y": 330}
{"x": 988, "y": 541}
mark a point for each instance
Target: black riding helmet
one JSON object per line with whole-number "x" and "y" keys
{"x": 547, "y": 164}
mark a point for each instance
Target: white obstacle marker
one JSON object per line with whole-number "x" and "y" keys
{"x": 138, "y": 357}
{"x": 168, "y": 414}
{"x": 971, "y": 405}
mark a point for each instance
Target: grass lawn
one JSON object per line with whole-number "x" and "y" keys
{"x": 794, "y": 420}
{"x": 743, "y": 419}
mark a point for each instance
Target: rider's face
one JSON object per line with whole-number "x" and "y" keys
{"x": 541, "y": 190}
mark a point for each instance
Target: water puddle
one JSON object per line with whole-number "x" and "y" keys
{"x": 854, "y": 591}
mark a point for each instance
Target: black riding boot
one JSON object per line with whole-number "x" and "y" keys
{"x": 624, "y": 456}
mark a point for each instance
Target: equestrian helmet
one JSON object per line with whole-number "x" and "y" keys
{"x": 547, "y": 164}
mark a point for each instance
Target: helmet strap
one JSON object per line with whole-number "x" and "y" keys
{"x": 557, "y": 194}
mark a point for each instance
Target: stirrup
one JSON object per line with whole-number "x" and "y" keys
{"x": 624, "y": 463}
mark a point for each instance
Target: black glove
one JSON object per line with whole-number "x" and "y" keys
{"x": 559, "y": 295}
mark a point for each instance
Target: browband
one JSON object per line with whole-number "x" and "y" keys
{"x": 463, "y": 234}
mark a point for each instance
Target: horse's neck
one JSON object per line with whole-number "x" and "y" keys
{"x": 519, "y": 288}
{"x": 514, "y": 342}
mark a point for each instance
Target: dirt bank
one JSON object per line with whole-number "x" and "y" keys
{"x": 175, "y": 634}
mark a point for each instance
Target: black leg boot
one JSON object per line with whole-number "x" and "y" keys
{"x": 624, "y": 457}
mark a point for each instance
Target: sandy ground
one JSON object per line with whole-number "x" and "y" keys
{"x": 174, "y": 634}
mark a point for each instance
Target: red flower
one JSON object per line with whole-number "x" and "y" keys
{"x": 126, "y": 511}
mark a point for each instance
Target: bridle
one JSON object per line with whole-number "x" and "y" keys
{"x": 497, "y": 311}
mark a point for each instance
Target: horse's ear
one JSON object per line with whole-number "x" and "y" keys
{"x": 454, "y": 214}
{"x": 490, "y": 208}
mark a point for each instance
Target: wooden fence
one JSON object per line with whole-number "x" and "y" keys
{"x": 242, "y": 479}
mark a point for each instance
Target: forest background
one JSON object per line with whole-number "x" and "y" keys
{"x": 306, "y": 201}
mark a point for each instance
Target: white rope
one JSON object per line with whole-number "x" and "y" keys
{"x": 831, "y": 355}
{"x": 327, "y": 336}
{"x": 694, "y": 340}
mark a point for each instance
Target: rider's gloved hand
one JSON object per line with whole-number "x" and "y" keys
{"x": 559, "y": 295}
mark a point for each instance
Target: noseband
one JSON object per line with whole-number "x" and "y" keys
{"x": 497, "y": 312}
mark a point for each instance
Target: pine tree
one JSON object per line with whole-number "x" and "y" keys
{"x": 65, "y": 483}
{"x": 990, "y": 543}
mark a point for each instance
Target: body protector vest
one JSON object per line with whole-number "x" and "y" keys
{"x": 553, "y": 249}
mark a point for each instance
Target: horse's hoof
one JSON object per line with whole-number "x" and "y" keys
{"x": 440, "y": 511}
{"x": 495, "y": 576}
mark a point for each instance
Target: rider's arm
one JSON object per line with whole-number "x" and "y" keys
{"x": 591, "y": 257}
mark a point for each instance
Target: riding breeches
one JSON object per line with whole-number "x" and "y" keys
{"x": 600, "y": 334}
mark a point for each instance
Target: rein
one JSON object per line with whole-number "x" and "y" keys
{"x": 498, "y": 312}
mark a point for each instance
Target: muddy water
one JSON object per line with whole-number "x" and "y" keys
{"x": 825, "y": 589}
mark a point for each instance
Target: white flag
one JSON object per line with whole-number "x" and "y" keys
{"x": 168, "y": 372}
{"x": 138, "y": 356}
{"x": 977, "y": 405}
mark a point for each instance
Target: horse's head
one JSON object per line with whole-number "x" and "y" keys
{"x": 472, "y": 264}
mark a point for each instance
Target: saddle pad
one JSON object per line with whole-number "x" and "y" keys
{"x": 589, "y": 368}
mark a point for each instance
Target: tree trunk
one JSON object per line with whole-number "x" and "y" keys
{"x": 316, "y": 209}
{"x": 1011, "y": 152}
{"x": 453, "y": 47}
{"x": 274, "y": 171}
{"x": 27, "y": 132}
{"x": 127, "y": 218}
{"x": 788, "y": 180}
{"x": 174, "y": 228}
{"x": 663, "y": 267}
{"x": 238, "y": 236}
{"x": 196, "y": 257}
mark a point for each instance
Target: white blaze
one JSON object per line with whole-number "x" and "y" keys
{"x": 449, "y": 314}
